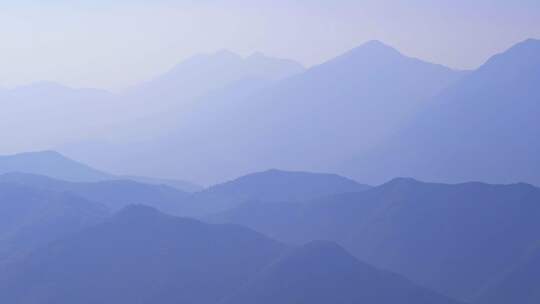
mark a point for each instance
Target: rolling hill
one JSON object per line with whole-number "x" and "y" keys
{"x": 274, "y": 186}
{"x": 58, "y": 166}
{"x": 31, "y": 218}
{"x": 323, "y": 272}
{"x": 455, "y": 239}
{"x": 113, "y": 194}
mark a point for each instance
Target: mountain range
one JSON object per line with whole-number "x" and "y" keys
{"x": 484, "y": 127}
{"x": 56, "y": 165}
{"x": 273, "y": 186}
{"x": 456, "y": 239}
{"x": 40, "y": 111}
{"x": 474, "y": 242}
{"x": 352, "y": 102}
{"x": 389, "y": 114}
{"x": 71, "y": 233}
{"x": 113, "y": 194}
{"x": 31, "y": 218}
{"x": 52, "y": 171}
{"x": 323, "y": 272}
{"x": 205, "y": 73}
{"x": 140, "y": 255}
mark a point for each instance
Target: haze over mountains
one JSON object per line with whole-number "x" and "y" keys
{"x": 270, "y": 226}
{"x": 201, "y": 74}
{"x": 113, "y": 194}
{"x": 40, "y": 112}
{"x": 350, "y": 102}
{"x": 239, "y": 115}
{"x": 31, "y": 218}
{"x": 172, "y": 260}
{"x": 46, "y": 108}
{"x": 471, "y": 242}
{"x": 485, "y": 127}
{"x": 56, "y": 165}
{"x": 274, "y": 186}
{"x": 52, "y": 171}
{"x": 456, "y": 239}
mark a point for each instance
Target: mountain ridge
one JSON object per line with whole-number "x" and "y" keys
{"x": 481, "y": 128}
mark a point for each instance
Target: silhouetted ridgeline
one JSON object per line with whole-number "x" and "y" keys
{"x": 456, "y": 239}
{"x": 474, "y": 242}
{"x": 116, "y": 193}
{"x": 484, "y": 127}
{"x": 56, "y": 165}
{"x": 313, "y": 121}
{"x": 141, "y": 255}
{"x": 31, "y": 218}
{"x": 70, "y": 233}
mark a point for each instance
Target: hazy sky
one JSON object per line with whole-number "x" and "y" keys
{"x": 115, "y": 43}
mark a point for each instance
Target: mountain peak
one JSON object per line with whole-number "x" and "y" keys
{"x": 527, "y": 50}
{"x": 402, "y": 182}
{"x": 376, "y": 44}
{"x": 376, "y": 47}
{"x": 137, "y": 212}
{"x": 52, "y": 164}
{"x": 528, "y": 43}
{"x": 520, "y": 56}
{"x": 372, "y": 52}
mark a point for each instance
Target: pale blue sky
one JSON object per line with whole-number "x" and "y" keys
{"x": 112, "y": 44}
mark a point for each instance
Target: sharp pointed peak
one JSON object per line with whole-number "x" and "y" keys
{"x": 372, "y": 50}
{"x": 377, "y": 45}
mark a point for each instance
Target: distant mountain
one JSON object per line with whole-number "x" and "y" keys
{"x": 268, "y": 186}
{"x": 311, "y": 121}
{"x": 518, "y": 286}
{"x": 55, "y": 165}
{"x": 485, "y": 127}
{"x": 203, "y": 74}
{"x": 181, "y": 185}
{"x": 31, "y": 218}
{"x": 141, "y": 256}
{"x": 51, "y": 164}
{"x": 323, "y": 272}
{"x": 40, "y": 112}
{"x": 275, "y": 186}
{"x": 455, "y": 239}
{"x": 114, "y": 194}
